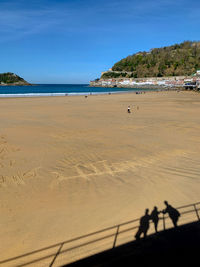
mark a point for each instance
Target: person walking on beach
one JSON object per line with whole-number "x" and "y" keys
{"x": 173, "y": 213}
{"x": 144, "y": 225}
{"x": 155, "y": 218}
{"x": 129, "y": 109}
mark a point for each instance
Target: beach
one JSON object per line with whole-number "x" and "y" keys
{"x": 72, "y": 165}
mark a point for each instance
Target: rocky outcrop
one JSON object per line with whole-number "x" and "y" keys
{"x": 10, "y": 78}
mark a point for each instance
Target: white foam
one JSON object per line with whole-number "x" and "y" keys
{"x": 33, "y": 94}
{"x": 65, "y": 94}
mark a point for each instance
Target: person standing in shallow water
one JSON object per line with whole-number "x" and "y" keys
{"x": 155, "y": 218}
{"x": 144, "y": 225}
{"x": 129, "y": 109}
{"x": 173, "y": 213}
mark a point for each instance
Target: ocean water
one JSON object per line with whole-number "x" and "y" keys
{"x": 59, "y": 90}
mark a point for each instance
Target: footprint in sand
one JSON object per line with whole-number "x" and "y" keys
{"x": 2, "y": 181}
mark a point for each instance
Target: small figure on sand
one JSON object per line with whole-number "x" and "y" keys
{"x": 129, "y": 109}
{"x": 155, "y": 218}
{"x": 173, "y": 213}
{"x": 144, "y": 225}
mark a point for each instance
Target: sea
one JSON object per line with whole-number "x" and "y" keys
{"x": 60, "y": 90}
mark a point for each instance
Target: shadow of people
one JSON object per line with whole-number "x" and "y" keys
{"x": 155, "y": 218}
{"x": 144, "y": 225}
{"x": 173, "y": 213}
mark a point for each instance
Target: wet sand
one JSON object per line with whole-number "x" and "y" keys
{"x": 73, "y": 165}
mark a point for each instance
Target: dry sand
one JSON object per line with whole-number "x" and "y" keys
{"x": 73, "y": 165}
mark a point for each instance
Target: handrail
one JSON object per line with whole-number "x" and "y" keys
{"x": 115, "y": 235}
{"x": 67, "y": 241}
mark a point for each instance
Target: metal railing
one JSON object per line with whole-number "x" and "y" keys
{"x": 71, "y": 250}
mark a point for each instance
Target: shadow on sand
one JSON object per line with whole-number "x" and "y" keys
{"x": 173, "y": 242}
{"x": 173, "y": 247}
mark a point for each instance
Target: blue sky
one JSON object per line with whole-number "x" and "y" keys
{"x": 72, "y": 41}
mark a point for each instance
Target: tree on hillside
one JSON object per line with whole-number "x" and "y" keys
{"x": 178, "y": 59}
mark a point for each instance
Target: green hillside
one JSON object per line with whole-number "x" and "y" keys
{"x": 11, "y": 78}
{"x": 176, "y": 60}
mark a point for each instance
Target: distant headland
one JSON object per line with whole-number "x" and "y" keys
{"x": 170, "y": 66}
{"x": 10, "y": 78}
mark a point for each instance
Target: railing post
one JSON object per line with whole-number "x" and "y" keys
{"x": 197, "y": 212}
{"x": 51, "y": 264}
{"x": 115, "y": 240}
{"x": 163, "y": 221}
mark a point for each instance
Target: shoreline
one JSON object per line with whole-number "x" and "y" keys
{"x": 16, "y": 84}
{"x": 138, "y": 90}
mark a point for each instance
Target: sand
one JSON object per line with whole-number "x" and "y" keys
{"x": 73, "y": 165}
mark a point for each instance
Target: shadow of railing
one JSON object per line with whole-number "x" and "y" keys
{"x": 74, "y": 249}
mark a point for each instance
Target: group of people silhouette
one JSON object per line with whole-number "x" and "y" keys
{"x": 145, "y": 220}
